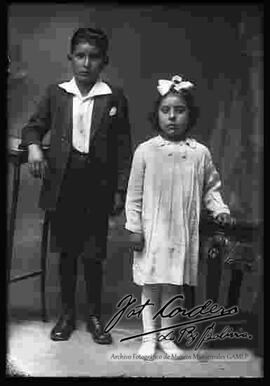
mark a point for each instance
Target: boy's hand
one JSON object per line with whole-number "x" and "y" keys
{"x": 36, "y": 161}
{"x": 136, "y": 241}
{"x": 118, "y": 203}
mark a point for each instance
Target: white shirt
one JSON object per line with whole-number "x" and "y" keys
{"x": 82, "y": 111}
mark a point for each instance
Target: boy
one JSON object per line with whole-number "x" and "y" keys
{"x": 85, "y": 175}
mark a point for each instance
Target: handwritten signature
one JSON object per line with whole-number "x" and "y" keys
{"x": 208, "y": 311}
{"x": 209, "y": 334}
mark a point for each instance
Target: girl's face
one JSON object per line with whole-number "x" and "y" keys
{"x": 87, "y": 62}
{"x": 173, "y": 116}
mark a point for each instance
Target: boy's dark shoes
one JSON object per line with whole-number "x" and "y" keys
{"x": 63, "y": 328}
{"x": 96, "y": 329}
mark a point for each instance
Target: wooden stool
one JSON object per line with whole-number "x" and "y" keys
{"x": 18, "y": 157}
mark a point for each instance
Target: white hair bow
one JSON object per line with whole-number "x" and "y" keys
{"x": 176, "y": 83}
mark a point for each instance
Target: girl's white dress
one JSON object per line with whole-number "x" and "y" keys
{"x": 167, "y": 184}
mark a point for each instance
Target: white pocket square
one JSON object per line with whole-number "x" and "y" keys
{"x": 113, "y": 111}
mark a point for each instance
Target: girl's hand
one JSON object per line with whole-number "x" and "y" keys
{"x": 36, "y": 161}
{"x": 223, "y": 219}
{"x": 137, "y": 241}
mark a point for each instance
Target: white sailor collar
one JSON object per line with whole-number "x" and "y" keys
{"x": 99, "y": 88}
{"x": 191, "y": 142}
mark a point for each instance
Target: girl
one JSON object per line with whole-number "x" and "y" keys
{"x": 171, "y": 174}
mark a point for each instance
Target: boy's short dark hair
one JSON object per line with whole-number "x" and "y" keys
{"x": 90, "y": 35}
{"x": 189, "y": 99}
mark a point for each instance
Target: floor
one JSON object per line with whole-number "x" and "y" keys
{"x": 32, "y": 353}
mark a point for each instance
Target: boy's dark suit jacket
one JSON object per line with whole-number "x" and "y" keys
{"x": 110, "y": 144}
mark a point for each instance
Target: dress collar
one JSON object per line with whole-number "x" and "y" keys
{"x": 191, "y": 142}
{"x": 99, "y": 88}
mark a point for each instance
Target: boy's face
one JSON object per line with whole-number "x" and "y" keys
{"x": 87, "y": 62}
{"x": 173, "y": 116}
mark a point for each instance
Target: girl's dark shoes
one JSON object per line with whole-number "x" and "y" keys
{"x": 63, "y": 328}
{"x": 96, "y": 329}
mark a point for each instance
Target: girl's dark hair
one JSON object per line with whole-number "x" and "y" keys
{"x": 189, "y": 99}
{"x": 93, "y": 36}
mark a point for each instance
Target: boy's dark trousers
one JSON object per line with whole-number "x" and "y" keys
{"x": 79, "y": 227}
{"x": 93, "y": 274}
